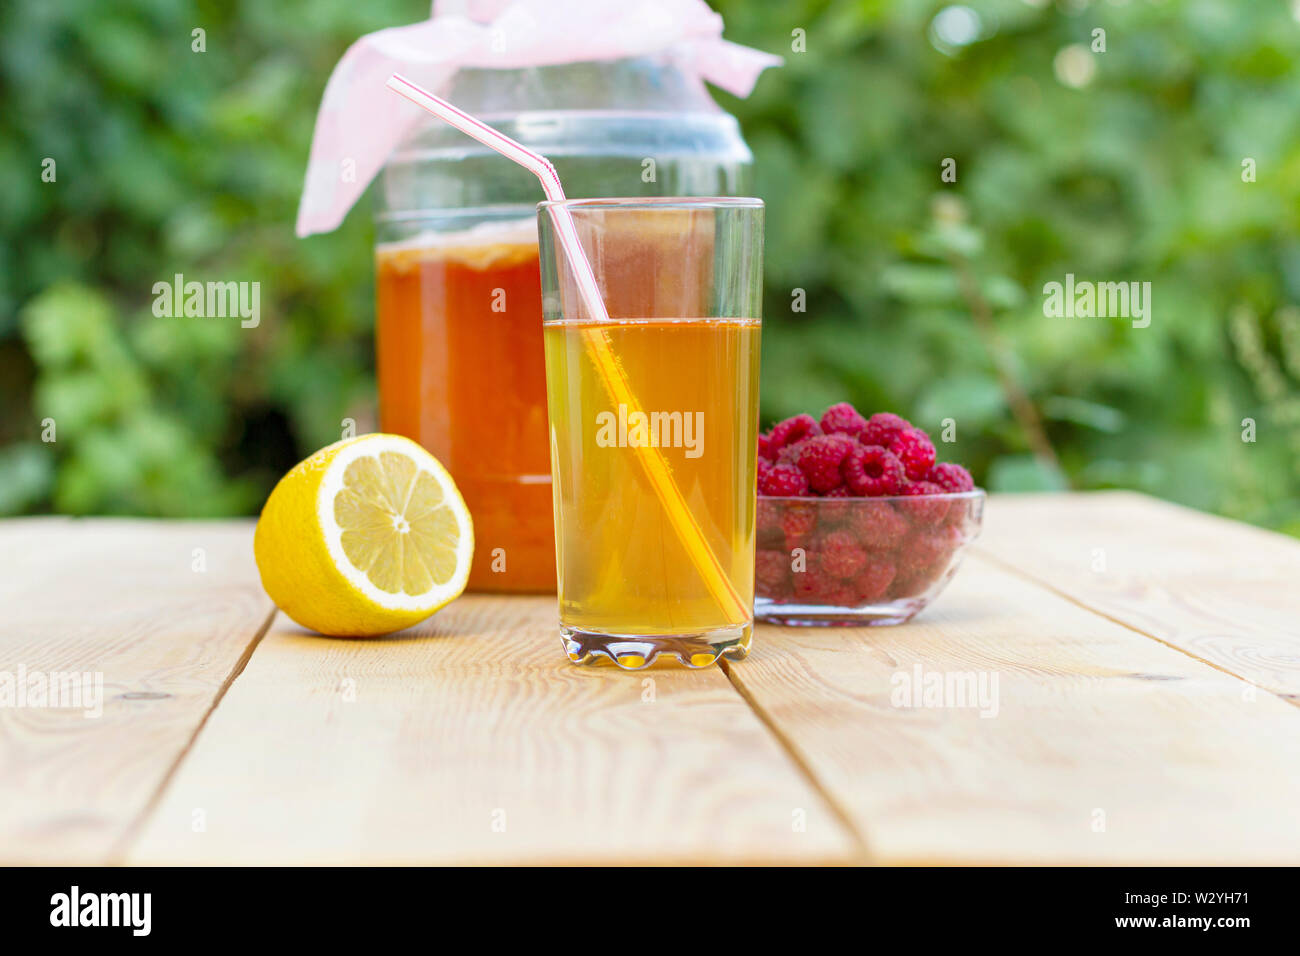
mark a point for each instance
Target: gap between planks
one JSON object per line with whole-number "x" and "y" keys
{"x": 124, "y": 600}
{"x": 118, "y": 851}
{"x": 1215, "y": 589}
{"x": 1187, "y": 602}
{"x": 784, "y": 741}
{"x": 444, "y": 658}
{"x": 982, "y": 555}
{"x": 1090, "y": 716}
{"x": 796, "y": 757}
{"x": 862, "y": 850}
{"x": 121, "y": 849}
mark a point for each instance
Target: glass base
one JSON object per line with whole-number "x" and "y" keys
{"x": 634, "y": 652}
{"x": 822, "y": 615}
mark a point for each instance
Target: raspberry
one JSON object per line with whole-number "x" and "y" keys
{"x": 915, "y": 450}
{"x": 770, "y": 532}
{"x": 765, "y": 451}
{"x": 804, "y": 583}
{"x": 819, "y": 459}
{"x": 910, "y": 584}
{"x": 789, "y": 455}
{"x": 839, "y": 555}
{"x": 881, "y": 429}
{"x": 926, "y": 560}
{"x": 812, "y": 587}
{"x": 951, "y": 478}
{"x": 764, "y": 466}
{"x": 930, "y": 550}
{"x": 791, "y": 430}
{"x": 835, "y": 508}
{"x": 842, "y": 419}
{"x": 961, "y": 511}
{"x": 878, "y": 525}
{"x": 874, "y": 580}
{"x": 842, "y": 594}
{"x": 783, "y": 481}
{"x": 873, "y": 471}
{"x": 797, "y": 523}
{"x": 924, "y": 509}
{"x": 772, "y": 573}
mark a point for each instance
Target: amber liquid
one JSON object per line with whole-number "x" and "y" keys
{"x": 623, "y": 567}
{"x": 461, "y": 371}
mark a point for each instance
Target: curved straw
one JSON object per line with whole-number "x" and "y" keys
{"x": 656, "y": 468}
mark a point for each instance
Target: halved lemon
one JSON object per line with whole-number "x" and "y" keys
{"x": 367, "y": 536}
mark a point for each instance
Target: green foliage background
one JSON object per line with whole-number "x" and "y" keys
{"x": 172, "y": 161}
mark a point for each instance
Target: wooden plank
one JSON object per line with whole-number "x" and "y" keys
{"x": 121, "y": 599}
{"x": 1219, "y": 590}
{"x": 470, "y": 739}
{"x": 1095, "y": 726}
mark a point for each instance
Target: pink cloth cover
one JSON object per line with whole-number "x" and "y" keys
{"x": 360, "y": 122}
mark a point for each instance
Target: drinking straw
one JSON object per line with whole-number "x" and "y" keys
{"x": 611, "y": 371}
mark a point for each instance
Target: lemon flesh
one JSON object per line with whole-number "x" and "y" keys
{"x": 367, "y": 536}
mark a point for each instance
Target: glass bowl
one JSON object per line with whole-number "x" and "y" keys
{"x": 859, "y": 561}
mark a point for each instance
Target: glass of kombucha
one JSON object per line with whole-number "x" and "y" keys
{"x": 653, "y": 413}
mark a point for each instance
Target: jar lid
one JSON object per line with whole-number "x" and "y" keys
{"x": 361, "y": 123}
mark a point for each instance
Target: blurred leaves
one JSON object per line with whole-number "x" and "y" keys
{"x": 128, "y": 449}
{"x": 26, "y": 476}
{"x": 171, "y": 161}
{"x": 1135, "y": 176}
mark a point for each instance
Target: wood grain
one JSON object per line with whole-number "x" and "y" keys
{"x": 1106, "y": 746}
{"x": 1219, "y": 590}
{"x": 121, "y": 599}
{"x": 471, "y": 739}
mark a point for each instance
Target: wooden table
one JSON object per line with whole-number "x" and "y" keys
{"x": 1147, "y": 661}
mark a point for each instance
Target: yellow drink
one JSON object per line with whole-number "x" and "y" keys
{"x": 652, "y": 401}
{"x": 623, "y": 569}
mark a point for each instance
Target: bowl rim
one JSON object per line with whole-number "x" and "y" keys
{"x": 947, "y": 495}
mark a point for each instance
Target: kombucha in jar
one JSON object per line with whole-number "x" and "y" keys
{"x": 462, "y": 371}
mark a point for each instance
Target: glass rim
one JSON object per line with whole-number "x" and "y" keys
{"x": 952, "y": 495}
{"x": 655, "y": 202}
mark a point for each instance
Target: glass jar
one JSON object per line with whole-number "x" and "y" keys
{"x": 459, "y": 312}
